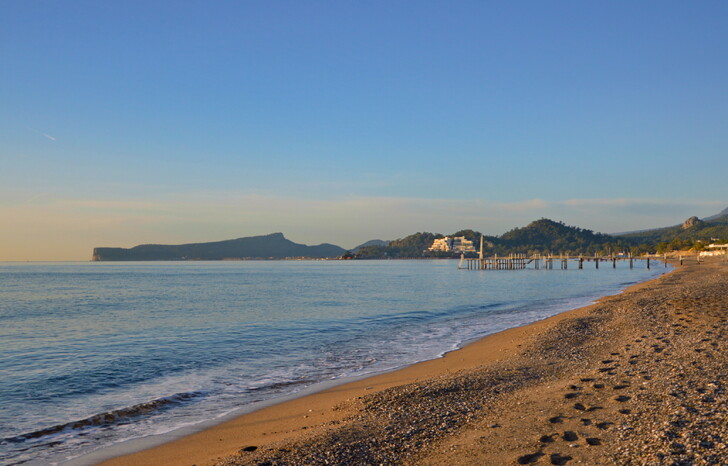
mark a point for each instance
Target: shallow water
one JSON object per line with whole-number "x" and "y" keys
{"x": 93, "y": 354}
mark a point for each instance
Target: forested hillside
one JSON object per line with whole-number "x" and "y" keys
{"x": 542, "y": 236}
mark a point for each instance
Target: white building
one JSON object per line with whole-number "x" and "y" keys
{"x": 456, "y": 244}
{"x": 441, "y": 244}
{"x": 715, "y": 250}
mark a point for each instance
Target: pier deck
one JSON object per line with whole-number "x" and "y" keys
{"x": 521, "y": 261}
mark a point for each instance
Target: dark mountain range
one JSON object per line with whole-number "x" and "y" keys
{"x": 540, "y": 236}
{"x": 719, "y": 218}
{"x": 273, "y": 246}
{"x": 722, "y": 213}
{"x": 693, "y": 229}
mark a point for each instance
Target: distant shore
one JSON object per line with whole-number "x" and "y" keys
{"x": 637, "y": 377}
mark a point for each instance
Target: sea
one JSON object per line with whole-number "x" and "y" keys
{"x": 93, "y": 354}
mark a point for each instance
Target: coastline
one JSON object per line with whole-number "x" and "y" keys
{"x": 286, "y": 418}
{"x": 312, "y": 415}
{"x": 280, "y": 417}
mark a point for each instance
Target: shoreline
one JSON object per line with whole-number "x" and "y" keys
{"x": 291, "y": 418}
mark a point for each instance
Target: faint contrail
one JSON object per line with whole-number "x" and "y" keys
{"x": 43, "y": 134}
{"x": 33, "y": 198}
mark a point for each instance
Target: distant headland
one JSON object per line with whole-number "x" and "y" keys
{"x": 540, "y": 236}
{"x": 273, "y": 246}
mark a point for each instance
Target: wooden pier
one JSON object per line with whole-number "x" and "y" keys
{"x": 522, "y": 261}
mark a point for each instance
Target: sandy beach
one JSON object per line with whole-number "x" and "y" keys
{"x": 637, "y": 378}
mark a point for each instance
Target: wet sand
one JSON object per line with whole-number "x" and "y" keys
{"x": 637, "y": 378}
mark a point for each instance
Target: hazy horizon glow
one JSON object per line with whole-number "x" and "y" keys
{"x": 64, "y": 229}
{"x": 174, "y": 122}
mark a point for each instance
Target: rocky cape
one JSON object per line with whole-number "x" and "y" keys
{"x": 273, "y": 246}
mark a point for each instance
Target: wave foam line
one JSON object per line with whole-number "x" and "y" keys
{"x": 108, "y": 418}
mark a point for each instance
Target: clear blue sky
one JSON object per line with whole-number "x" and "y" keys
{"x": 176, "y": 121}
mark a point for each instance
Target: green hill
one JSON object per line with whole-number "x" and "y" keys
{"x": 370, "y": 243}
{"x": 409, "y": 246}
{"x": 546, "y": 235}
{"x": 541, "y": 236}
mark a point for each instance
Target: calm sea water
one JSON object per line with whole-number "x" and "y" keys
{"x": 92, "y": 354}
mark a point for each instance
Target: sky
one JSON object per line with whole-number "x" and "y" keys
{"x": 133, "y": 122}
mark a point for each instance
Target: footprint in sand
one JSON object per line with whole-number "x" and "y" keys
{"x": 581, "y": 407}
{"x": 530, "y": 458}
{"x": 558, "y": 458}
